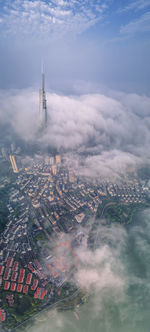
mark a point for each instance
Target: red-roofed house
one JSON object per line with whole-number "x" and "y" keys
{"x": 21, "y": 275}
{"x": 35, "y": 283}
{"x": 9, "y": 262}
{"x": 14, "y": 276}
{"x": 6, "y": 285}
{"x": 36, "y": 295}
{"x": 7, "y": 274}
{"x": 19, "y": 288}
{"x": 1, "y": 269}
{"x": 31, "y": 268}
{"x": 43, "y": 293}
{"x": 25, "y": 289}
{"x": 13, "y": 286}
{"x": 40, "y": 293}
{"x": 2, "y": 315}
{"x": 29, "y": 278}
{"x": 15, "y": 266}
{"x": 38, "y": 290}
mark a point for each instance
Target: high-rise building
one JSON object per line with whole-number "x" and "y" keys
{"x": 51, "y": 160}
{"x": 47, "y": 160}
{"x": 54, "y": 169}
{"x": 43, "y": 107}
{"x": 13, "y": 163}
{"x": 12, "y": 147}
{"x": 71, "y": 177}
{"x": 4, "y": 153}
{"x": 58, "y": 159}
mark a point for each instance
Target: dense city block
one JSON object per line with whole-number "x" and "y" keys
{"x": 48, "y": 209}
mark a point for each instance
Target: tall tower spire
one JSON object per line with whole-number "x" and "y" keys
{"x": 43, "y": 77}
{"x": 43, "y": 107}
{"x": 43, "y": 81}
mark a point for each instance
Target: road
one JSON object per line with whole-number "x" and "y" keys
{"x": 51, "y": 306}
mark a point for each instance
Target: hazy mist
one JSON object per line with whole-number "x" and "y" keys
{"x": 111, "y": 130}
{"x": 116, "y": 276}
{"x": 96, "y": 63}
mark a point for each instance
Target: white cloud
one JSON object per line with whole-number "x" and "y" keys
{"x": 138, "y": 20}
{"x": 112, "y": 132}
{"x": 136, "y": 5}
{"x": 139, "y": 25}
{"x": 117, "y": 276}
{"x": 19, "y": 112}
{"x": 112, "y": 165}
{"x": 101, "y": 269}
{"x": 26, "y": 16}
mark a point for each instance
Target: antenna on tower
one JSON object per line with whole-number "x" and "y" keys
{"x": 42, "y": 67}
{"x": 43, "y": 77}
{"x": 43, "y": 107}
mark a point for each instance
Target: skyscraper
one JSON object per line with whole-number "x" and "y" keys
{"x": 58, "y": 159}
{"x": 13, "y": 164}
{"x": 43, "y": 107}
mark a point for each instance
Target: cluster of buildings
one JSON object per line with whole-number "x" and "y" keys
{"x": 48, "y": 195}
{"x": 21, "y": 280}
{"x": 134, "y": 191}
{"x": 60, "y": 199}
{"x": 54, "y": 195}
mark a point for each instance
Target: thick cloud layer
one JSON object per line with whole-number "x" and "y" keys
{"x": 112, "y": 130}
{"x": 97, "y": 270}
{"x": 99, "y": 121}
{"x": 19, "y": 109}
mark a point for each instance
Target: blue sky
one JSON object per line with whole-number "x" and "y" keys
{"x": 102, "y": 42}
